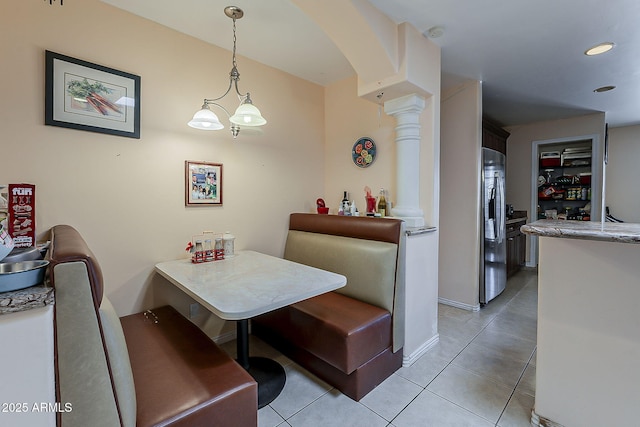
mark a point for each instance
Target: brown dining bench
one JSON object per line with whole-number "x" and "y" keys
{"x": 154, "y": 368}
{"x": 351, "y": 338}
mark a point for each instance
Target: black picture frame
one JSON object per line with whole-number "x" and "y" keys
{"x": 86, "y": 96}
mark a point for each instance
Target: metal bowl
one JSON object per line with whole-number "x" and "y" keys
{"x": 23, "y": 254}
{"x": 20, "y": 275}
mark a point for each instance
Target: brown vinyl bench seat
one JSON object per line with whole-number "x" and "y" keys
{"x": 181, "y": 376}
{"x": 147, "y": 369}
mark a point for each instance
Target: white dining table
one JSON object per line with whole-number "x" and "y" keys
{"x": 247, "y": 285}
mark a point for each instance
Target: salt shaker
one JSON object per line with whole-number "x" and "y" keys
{"x": 208, "y": 250}
{"x": 199, "y": 253}
{"x": 218, "y": 249}
{"x": 228, "y": 241}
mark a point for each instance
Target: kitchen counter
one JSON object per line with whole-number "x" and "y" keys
{"x": 26, "y": 299}
{"x": 414, "y": 231}
{"x": 516, "y": 242}
{"x": 517, "y": 216}
{"x": 27, "y": 369}
{"x": 609, "y": 232}
{"x": 513, "y": 220}
{"x": 588, "y": 337}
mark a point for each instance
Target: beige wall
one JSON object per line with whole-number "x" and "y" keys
{"x": 460, "y": 195}
{"x": 623, "y": 174}
{"x": 126, "y": 196}
{"x": 349, "y": 118}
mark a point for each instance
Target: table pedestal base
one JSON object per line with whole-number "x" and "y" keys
{"x": 270, "y": 377}
{"x": 268, "y": 373}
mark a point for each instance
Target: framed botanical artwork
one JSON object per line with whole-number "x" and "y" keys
{"x": 85, "y": 96}
{"x": 203, "y": 184}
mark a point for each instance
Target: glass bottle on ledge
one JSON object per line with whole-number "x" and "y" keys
{"x": 382, "y": 203}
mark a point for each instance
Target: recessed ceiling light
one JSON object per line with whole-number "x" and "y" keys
{"x": 599, "y": 48}
{"x": 435, "y": 32}
{"x": 604, "y": 89}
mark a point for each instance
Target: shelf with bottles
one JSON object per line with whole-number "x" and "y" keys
{"x": 570, "y": 211}
{"x": 556, "y": 184}
{"x": 559, "y": 176}
{"x": 571, "y": 194}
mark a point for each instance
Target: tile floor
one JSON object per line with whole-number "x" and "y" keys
{"x": 481, "y": 373}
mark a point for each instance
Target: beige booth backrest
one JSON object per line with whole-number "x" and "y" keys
{"x": 93, "y": 372}
{"x": 369, "y": 266}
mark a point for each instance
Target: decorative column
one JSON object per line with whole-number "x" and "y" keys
{"x": 407, "y": 111}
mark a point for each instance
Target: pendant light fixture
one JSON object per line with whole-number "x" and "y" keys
{"x": 246, "y": 114}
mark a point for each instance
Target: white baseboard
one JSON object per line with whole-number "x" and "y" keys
{"x": 538, "y": 421}
{"x": 457, "y": 304}
{"x": 221, "y": 339}
{"x": 408, "y": 360}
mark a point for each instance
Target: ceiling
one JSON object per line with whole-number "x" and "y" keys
{"x": 529, "y": 55}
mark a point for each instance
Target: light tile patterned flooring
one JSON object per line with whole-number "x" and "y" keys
{"x": 481, "y": 373}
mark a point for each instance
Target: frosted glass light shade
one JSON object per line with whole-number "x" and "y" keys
{"x": 247, "y": 115}
{"x": 205, "y": 119}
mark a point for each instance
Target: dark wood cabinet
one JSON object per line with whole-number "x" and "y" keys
{"x": 494, "y": 137}
{"x": 516, "y": 246}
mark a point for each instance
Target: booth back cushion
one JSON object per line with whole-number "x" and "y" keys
{"x": 370, "y": 266}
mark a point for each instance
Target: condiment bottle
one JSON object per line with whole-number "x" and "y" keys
{"x": 208, "y": 250}
{"x": 199, "y": 252}
{"x": 228, "y": 243}
{"x": 345, "y": 203}
{"x": 218, "y": 249}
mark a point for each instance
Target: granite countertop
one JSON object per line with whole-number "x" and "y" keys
{"x": 589, "y": 230}
{"x": 26, "y": 299}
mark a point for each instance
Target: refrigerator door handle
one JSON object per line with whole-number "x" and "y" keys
{"x": 500, "y": 209}
{"x": 492, "y": 204}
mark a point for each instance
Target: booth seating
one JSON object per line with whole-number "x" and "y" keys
{"x": 351, "y": 338}
{"x": 148, "y": 369}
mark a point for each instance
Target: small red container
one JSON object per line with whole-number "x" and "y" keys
{"x": 550, "y": 159}
{"x": 371, "y": 204}
{"x": 585, "y": 178}
{"x": 323, "y": 210}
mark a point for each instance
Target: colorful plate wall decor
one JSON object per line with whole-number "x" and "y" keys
{"x": 363, "y": 152}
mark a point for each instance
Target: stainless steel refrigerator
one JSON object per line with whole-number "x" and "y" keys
{"x": 493, "y": 249}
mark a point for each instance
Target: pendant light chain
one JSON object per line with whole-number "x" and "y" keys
{"x": 234, "y": 43}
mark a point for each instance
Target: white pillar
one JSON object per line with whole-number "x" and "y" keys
{"x": 407, "y": 111}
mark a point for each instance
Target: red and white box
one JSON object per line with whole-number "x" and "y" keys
{"x": 585, "y": 178}
{"x": 550, "y": 159}
{"x": 22, "y": 214}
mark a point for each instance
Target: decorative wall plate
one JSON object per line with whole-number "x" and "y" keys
{"x": 363, "y": 152}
